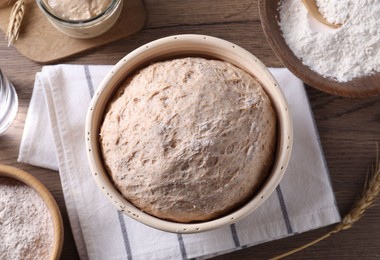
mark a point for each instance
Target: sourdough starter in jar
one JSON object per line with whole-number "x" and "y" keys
{"x": 74, "y": 10}
{"x": 82, "y": 18}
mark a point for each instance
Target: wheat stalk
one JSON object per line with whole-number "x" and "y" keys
{"x": 366, "y": 201}
{"x": 15, "y": 20}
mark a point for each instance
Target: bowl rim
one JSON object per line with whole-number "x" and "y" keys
{"x": 174, "y": 46}
{"x": 28, "y": 179}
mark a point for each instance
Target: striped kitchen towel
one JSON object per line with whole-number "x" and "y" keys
{"x": 304, "y": 200}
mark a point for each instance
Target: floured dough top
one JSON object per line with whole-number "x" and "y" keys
{"x": 189, "y": 139}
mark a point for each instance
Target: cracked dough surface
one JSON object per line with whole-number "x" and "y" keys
{"x": 189, "y": 139}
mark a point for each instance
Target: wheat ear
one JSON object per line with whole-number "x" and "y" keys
{"x": 367, "y": 199}
{"x": 15, "y": 20}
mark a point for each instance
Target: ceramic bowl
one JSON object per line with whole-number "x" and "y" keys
{"x": 174, "y": 47}
{"x": 43, "y": 192}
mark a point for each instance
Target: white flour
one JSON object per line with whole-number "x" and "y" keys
{"x": 337, "y": 11}
{"x": 26, "y": 230}
{"x": 349, "y": 52}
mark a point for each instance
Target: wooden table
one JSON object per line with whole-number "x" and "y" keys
{"x": 349, "y": 128}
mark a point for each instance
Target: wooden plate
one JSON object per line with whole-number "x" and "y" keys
{"x": 359, "y": 87}
{"x": 20, "y": 175}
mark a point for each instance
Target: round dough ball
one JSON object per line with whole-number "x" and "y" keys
{"x": 189, "y": 139}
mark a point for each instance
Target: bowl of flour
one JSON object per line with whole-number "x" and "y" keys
{"x": 343, "y": 61}
{"x": 30, "y": 221}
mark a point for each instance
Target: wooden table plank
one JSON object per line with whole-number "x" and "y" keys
{"x": 348, "y": 128}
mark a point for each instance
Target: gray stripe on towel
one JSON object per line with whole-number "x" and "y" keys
{"x": 120, "y": 215}
{"x": 235, "y": 235}
{"x": 89, "y": 81}
{"x": 125, "y": 235}
{"x": 182, "y": 246}
{"x": 284, "y": 210}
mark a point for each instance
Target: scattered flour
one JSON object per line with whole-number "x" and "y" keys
{"x": 26, "y": 230}
{"x": 343, "y": 54}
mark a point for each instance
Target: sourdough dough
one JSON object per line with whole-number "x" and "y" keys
{"x": 189, "y": 139}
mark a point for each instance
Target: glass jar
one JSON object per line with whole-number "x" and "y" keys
{"x": 8, "y": 103}
{"x": 83, "y": 28}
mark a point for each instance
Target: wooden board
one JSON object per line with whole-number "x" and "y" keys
{"x": 358, "y": 87}
{"x": 41, "y": 42}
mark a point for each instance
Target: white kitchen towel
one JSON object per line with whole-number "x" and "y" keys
{"x": 54, "y": 137}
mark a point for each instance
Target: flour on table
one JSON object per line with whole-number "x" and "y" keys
{"x": 343, "y": 54}
{"x": 26, "y": 230}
